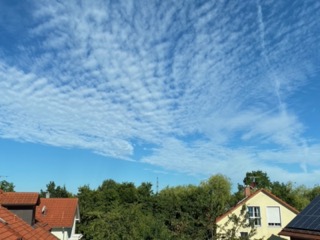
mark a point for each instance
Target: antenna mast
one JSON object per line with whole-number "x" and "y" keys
{"x": 157, "y": 185}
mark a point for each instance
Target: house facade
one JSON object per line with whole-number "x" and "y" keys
{"x": 267, "y": 212}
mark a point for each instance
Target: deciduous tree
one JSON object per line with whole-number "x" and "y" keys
{"x": 6, "y": 186}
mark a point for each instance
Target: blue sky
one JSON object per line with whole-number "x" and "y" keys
{"x": 174, "y": 90}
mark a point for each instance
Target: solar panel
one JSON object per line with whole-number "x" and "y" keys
{"x": 308, "y": 218}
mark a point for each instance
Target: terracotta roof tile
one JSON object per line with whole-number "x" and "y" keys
{"x": 60, "y": 212}
{"x": 13, "y": 198}
{"x": 14, "y": 228}
{"x": 268, "y": 193}
{"x": 42, "y": 224}
{"x": 7, "y": 233}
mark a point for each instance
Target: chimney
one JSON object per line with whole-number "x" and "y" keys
{"x": 47, "y": 195}
{"x": 247, "y": 191}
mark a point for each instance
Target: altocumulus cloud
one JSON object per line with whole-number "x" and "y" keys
{"x": 209, "y": 84}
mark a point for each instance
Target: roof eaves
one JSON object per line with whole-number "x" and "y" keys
{"x": 305, "y": 234}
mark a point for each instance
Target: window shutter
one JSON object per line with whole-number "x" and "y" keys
{"x": 273, "y": 216}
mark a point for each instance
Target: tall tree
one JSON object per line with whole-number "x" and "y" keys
{"x": 6, "y": 186}
{"x": 218, "y": 194}
{"x": 55, "y": 191}
{"x": 257, "y": 179}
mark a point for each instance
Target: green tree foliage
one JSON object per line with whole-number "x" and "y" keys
{"x": 183, "y": 212}
{"x": 55, "y": 191}
{"x": 120, "y": 211}
{"x": 124, "y": 222}
{"x": 123, "y": 211}
{"x": 315, "y": 191}
{"x": 217, "y": 197}
{"x": 6, "y": 186}
{"x": 258, "y": 179}
{"x": 297, "y": 196}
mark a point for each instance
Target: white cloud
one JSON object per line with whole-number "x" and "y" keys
{"x": 97, "y": 76}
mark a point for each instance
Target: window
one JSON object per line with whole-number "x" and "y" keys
{"x": 273, "y": 216}
{"x": 254, "y": 216}
{"x": 244, "y": 235}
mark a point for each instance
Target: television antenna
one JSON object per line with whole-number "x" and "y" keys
{"x": 253, "y": 178}
{"x": 253, "y": 183}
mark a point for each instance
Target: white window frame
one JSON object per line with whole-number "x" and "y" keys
{"x": 273, "y": 216}
{"x": 255, "y": 215}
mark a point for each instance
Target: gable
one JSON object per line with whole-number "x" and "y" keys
{"x": 266, "y": 211}
{"x": 258, "y": 198}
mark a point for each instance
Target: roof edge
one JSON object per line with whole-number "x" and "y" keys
{"x": 305, "y": 234}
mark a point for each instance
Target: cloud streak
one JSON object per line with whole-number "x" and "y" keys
{"x": 187, "y": 78}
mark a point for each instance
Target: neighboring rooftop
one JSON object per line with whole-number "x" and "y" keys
{"x": 14, "y": 198}
{"x": 305, "y": 225}
{"x": 14, "y": 228}
{"x": 57, "y": 212}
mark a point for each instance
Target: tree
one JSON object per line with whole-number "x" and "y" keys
{"x": 6, "y": 186}
{"x": 119, "y": 211}
{"x": 125, "y": 222}
{"x": 298, "y": 197}
{"x": 314, "y": 192}
{"x": 255, "y": 179}
{"x": 218, "y": 194}
{"x": 258, "y": 179}
{"x": 55, "y": 192}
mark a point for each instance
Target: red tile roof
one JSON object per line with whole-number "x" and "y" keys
{"x": 13, "y": 198}
{"x": 42, "y": 224}
{"x": 268, "y": 193}
{"x": 14, "y": 228}
{"x": 59, "y": 212}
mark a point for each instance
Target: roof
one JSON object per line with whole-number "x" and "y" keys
{"x": 59, "y": 212}
{"x": 245, "y": 200}
{"x": 42, "y": 224}
{"x": 21, "y": 198}
{"x": 14, "y": 228}
{"x": 307, "y": 223}
{"x": 301, "y": 234}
